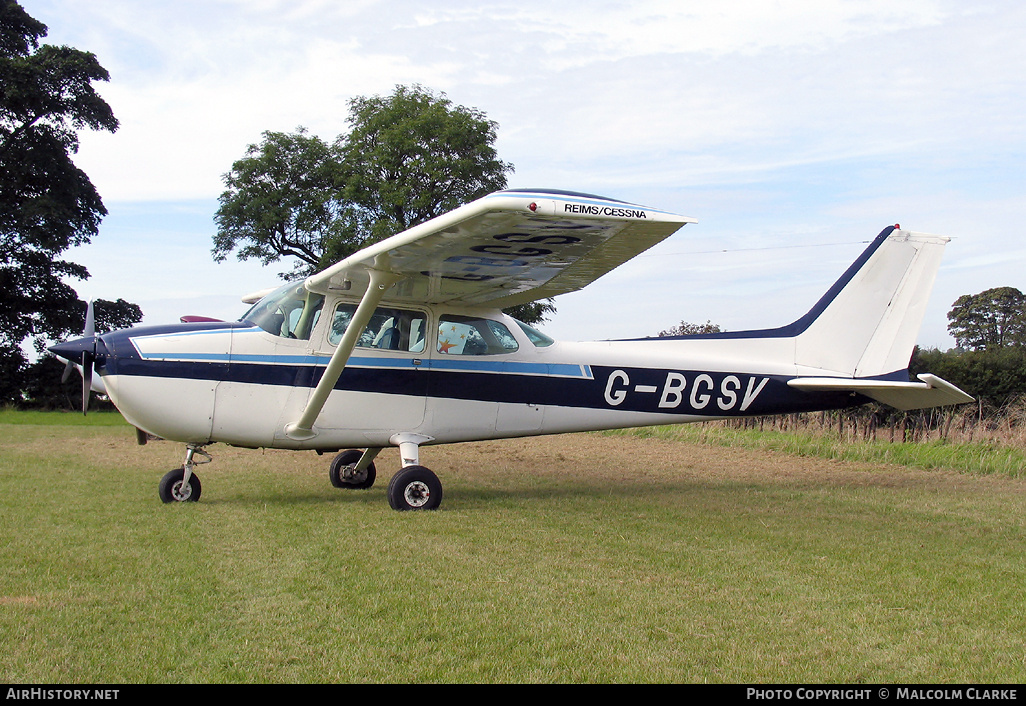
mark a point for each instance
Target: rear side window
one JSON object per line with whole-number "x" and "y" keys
{"x": 471, "y": 335}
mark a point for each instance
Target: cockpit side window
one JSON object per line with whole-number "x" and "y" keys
{"x": 388, "y": 329}
{"x": 290, "y": 312}
{"x": 471, "y": 335}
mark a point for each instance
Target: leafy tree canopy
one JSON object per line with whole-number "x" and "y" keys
{"x": 284, "y": 200}
{"x": 408, "y": 157}
{"x": 686, "y": 328}
{"x": 414, "y": 155}
{"x": 990, "y": 361}
{"x": 47, "y": 204}
{"x": 994, "y": 317}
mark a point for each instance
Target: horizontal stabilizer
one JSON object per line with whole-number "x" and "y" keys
{"x": 931, "y": 391}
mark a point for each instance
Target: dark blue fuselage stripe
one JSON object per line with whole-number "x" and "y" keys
{"x": 774, "y": 398}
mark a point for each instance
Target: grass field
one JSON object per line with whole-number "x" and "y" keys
{"x": 584, "y": 558}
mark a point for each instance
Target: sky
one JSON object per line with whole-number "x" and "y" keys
{"x": 794, "y": 131}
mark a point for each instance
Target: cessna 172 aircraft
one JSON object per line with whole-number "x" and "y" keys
{"x": 404, "y": 344}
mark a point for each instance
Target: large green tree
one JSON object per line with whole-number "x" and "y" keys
{"x": 47, "y": 204}
{"x": 407, "y": 158}
{"x": 994, "y": 317}
{"x": 414, "y": 155}
{"x": 284, "y": 200}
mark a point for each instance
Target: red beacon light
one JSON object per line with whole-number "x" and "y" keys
{"x": 533, "y": 206}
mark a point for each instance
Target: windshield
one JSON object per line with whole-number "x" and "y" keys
{"x": 290, "y": 311}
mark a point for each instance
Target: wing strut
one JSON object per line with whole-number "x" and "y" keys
{"x": 302, "y": 429}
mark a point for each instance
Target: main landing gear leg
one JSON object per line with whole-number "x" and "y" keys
{"x": 414, "y": 487}
{"x": 182, "y": 485}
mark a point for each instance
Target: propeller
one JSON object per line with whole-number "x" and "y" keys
{"x": 81, "y": 352}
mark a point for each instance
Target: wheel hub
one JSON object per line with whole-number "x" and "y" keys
{"x": 181, "y": 491}
{"x": 417, "y": 494}
{"x": 351, "y": 475}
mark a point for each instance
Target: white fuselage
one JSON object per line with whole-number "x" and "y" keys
{"x": 242, "y": 385}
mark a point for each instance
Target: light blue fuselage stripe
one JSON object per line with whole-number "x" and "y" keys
{"x": 481, "y": 366}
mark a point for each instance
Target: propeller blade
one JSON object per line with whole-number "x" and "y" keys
{"x": 87, "y": 379}
{"x": 90, "y": 322}
{"x": 68, "y": 367}
{"x": 87, "y": 358}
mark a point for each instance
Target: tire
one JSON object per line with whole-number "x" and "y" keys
{"x": 172, "y": 491}
{"x": 414, "y": 488}
{"x": 349, "y": 458}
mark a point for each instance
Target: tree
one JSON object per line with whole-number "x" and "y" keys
{"x": 283, "y": 199}
{"x": 113, "y": 316}
{"x": 47, "y": 204}
{"x": 994, "y": 317}
{"x": 685, "y": 328}
{"x": 408, "y": 158}
{"x": 414, "y": 155}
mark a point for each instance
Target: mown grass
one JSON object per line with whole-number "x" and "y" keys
{"x": 586, "y": 558}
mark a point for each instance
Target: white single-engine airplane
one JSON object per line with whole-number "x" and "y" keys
{"x": 404, "y": 344}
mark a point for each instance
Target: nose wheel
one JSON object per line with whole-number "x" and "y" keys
{"x": 182, "y": 485}
{"x": 175, "y": 488}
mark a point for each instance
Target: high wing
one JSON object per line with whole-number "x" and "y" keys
{"x": 504, "y": 249}
{"x": 507, "y": 248}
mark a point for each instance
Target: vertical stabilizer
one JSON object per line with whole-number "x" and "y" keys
{"x": 866, "y": 325}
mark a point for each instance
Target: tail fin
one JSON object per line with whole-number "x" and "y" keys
{"x": 866, "y": 325}
{"x": 861, "y": 334}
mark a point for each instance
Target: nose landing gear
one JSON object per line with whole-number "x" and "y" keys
{"x": 181, "y": 484}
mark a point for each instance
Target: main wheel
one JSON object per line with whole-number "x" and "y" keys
{"x": 414, "y": 488}
{"x": 173, "y": 490}
{"x": 360, "y": 481}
